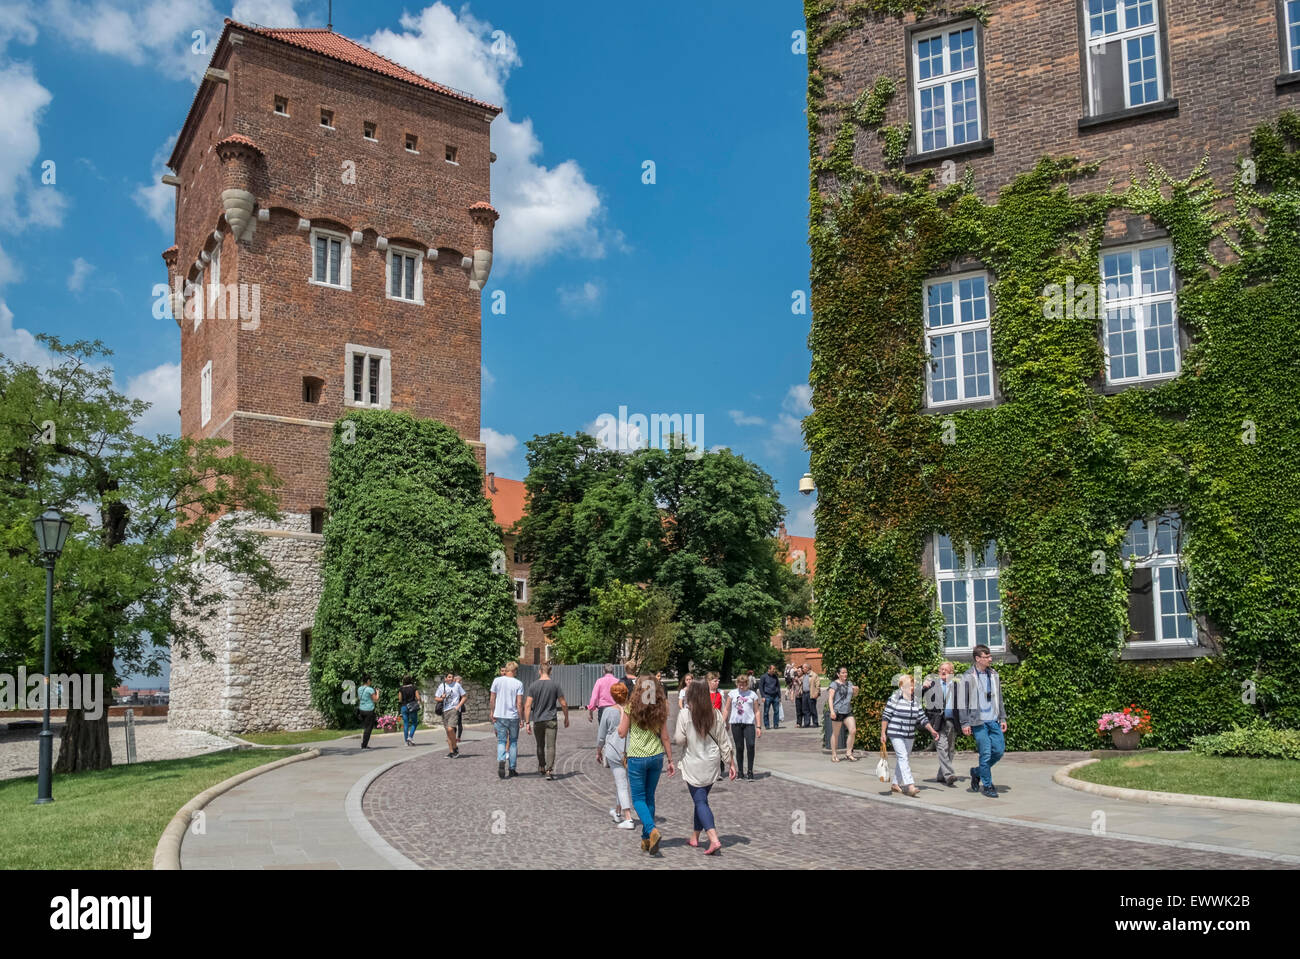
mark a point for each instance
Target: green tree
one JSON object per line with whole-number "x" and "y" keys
{"x": 621, "y": 616}
{"x": 412, "y": 570}
{"x": 131, "y": 580}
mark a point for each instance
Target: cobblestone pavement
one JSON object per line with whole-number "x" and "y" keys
{"x": 154, "y": 739}
{"x": 450, "y": 814}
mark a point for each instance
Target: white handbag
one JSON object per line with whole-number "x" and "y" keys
{"x": 882, "y": 768}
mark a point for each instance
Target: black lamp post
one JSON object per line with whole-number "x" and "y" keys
{"x": 51, "y": 533}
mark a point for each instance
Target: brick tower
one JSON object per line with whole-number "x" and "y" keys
{"x": 332, "y": 238}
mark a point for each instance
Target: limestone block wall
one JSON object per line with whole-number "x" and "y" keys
{"x": 259, "y": 678}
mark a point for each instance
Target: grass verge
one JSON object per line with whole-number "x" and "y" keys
{"x": 1274, "y": 780}
{"x": 293, "y": 737}
{"x": 109, "y": 818}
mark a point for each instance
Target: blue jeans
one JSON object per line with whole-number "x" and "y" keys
{"x": 703, "y": 814}
{"x": 775, "y": 703}
{"x": 410, "y": 718}
{"x": 643, "y": 778}
{"x": 507, "y": 729}
{"x": 991, "y": 744}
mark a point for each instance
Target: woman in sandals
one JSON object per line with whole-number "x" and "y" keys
{"x": 841, "y": 693}
{"x": 701, "y": 729}
{"x": 902, "y": 715}
{"x": 645, "y": 726}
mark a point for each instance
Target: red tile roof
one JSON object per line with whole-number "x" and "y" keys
{"x": 507, "y": 501}
{"x": 809, "y": 547}
{"x": 241, "y": 140}
{"x": 338, "y": 47}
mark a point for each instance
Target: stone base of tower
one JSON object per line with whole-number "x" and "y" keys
{"x": 258, "y": 677}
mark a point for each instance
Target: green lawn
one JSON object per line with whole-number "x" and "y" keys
{"x": 294, "y": 736}
{"x": 110, "y": 818}
{"x": 1277, "y": 780}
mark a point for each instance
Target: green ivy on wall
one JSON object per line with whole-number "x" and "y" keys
{"x": 1057, "y": 470}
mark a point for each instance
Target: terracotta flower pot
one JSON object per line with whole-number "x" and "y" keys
{"x": 1123, "y": 740}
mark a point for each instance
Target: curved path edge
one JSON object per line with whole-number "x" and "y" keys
{"x": 361, "y": 824}
{"x": 1051, "y": 827}
{"x": 1062, "y": 777}
{"x": 167, "y": 854}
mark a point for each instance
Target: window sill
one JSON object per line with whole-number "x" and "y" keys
{"x": 402, "y": 299}
{"x": 1287, "y": 82}
{"x": 1110, "y": 389}
{"x": 966, "y": 655}
{"x": 947, "y": 153}
{"x": 957, "y": 406}
{"x": 331, "y": 286}
{"x": 1149, "y": 650}
{"x": 452, "y": 162}
{"x": 1164, "y": 108}
{"x": 371, "y": 139}
{"x": 279, "y": 114}
{"x": 324, "y": 127}
{"x": 354, "y": 405}
{"x": 412, "y": 152}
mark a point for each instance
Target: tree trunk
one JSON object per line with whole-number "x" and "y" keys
{"x": 84, "y": 743}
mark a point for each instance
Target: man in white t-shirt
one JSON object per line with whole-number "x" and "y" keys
{"x": 450, "y": 695}
{"x": 505, "y": 703}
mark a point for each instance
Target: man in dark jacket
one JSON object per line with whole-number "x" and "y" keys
{"x": 770, "y": 688}
{"x": 939, "y": 697}
{"x": 983, "y": 714}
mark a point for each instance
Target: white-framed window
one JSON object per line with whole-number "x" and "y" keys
{"x": 1292, "y": 9}
{"x": 405, "y": 279}
{"x": 1158, "y": 609}
{"x": 946, "y": 78}
{"x": 368, "y": 377}
{"x": 521, "y": 592}
{"x": 1123, "y": 54}
{"x": 199, "y": 295}
{"x": 214, "y": 282}
{"x": 1141, "y": 313}
{"x": 331, "y": 259}
{"x": 968, "y": 595}
{"x": 957, "y": 340}
{"x": 205, "y": 394}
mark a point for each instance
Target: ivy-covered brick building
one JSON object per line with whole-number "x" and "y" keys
{"x": 1056, "y": 268}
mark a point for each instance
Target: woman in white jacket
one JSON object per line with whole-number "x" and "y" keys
{"x": 704, "y": 732}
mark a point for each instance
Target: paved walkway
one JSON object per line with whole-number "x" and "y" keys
{"x": 347, "y": 809}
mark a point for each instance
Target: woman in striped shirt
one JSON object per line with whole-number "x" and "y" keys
{"x": 902, "y": 715}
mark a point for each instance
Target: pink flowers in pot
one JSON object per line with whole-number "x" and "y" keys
{"x": 388, "y": 723}
{"x": 1131, "y": 719}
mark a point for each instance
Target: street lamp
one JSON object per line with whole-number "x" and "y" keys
{"x": 806, "y": 484}
{"x": 51, "y": 533}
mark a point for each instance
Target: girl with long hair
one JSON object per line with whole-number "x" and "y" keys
{"x": 645, "y": 724}
{"x": 702, "y": 731}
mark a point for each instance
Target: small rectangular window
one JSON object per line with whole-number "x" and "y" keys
{"x": 411, "y": 142}
{"x": 521, "y": 592}
{"x": 331, "y": 255}
{"x": 313, "y": 388}
{"x": 1158, "y": 610}
{"x": 969, "y": 599}
{"x": 282, "y": 106}
{"x": 518, "y": 556}
{"x": 404, "y": 278}
{"x": 1124, "y": 56}
{"x": 327, "y": 119}
{"x": 958, "y": 340}
{"x": 318, "y": 519}
{"x": 304, "y": 645}
{"x": 205, "y": 394}
{"x": 1139, "y": 304}
{"x": 451, "y": 153}
{"x": 367, "y": 377}
{"x": 370, "y": 130}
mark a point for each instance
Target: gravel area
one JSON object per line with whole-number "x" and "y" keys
{"x": 20, "y": 749}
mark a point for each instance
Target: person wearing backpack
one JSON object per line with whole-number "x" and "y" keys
{"x": 450, "y": 699}
{"x": 367, "y": 699}
{"x": 409, "y": 707}
{"x": 701, "y": 730}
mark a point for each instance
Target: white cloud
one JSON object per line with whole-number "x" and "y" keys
{"x": 158, "y": 33}
{"x": 160, "y": 386}
{"x": 269, "y": 13}
{"x": 9, "y": 271}
{"x": 17, "y": 344}
{"x": 485, "y": 375}
{"x": 574, "y": 298}
{"x": 613, "y": 433}
{"x": 23, "y": 199}
{"x": 156, "y": 198}
{"x": 740, "y": 418}
{"x": 543, "y": 209}
{"x": 798, "y": 399}
{"x": 500, "y": 450}
{"x": 81, "y": 270}
{"x": 16, "y": 24}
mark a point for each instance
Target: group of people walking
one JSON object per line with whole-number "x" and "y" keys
{"x": 715, "y": 733}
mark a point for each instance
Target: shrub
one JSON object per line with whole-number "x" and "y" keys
{"x": 1258, "y": 739}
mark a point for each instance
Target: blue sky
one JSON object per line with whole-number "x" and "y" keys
{"x": 671, "y": 297}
